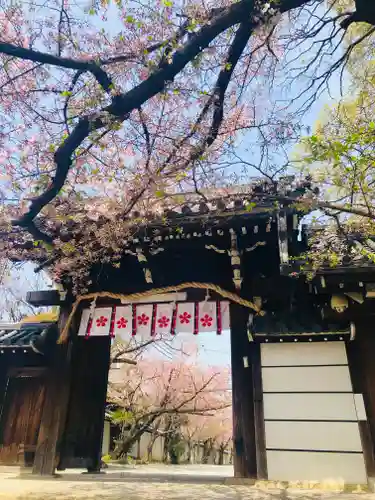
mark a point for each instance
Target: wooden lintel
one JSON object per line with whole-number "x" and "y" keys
{"x": 31, "y": 371}
{"x": 45, "y": 298}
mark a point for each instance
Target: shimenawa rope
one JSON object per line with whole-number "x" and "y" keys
{"x": 154, "y": 291}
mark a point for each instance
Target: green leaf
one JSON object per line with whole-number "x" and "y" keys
{"x": 159, "y": 194}
{"x": 129, "y": 19}
{"x": 250, "y": 206}
{"x": 66, "y": 93}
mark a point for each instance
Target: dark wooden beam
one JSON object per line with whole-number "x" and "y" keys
{"x": 260, "y": 433}
{"x": 32, "y": 371}
{"x": 3, "y": 389}
{"x": 362, "y": 370}
{"x": 45, "y": 298}
{"x": 244, "y": 439}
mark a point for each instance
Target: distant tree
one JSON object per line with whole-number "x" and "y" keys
{"x": 155, "y": 390}
{"x": 340, "y": 157}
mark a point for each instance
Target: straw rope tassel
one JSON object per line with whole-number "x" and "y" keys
{"x": 140, "y": 295}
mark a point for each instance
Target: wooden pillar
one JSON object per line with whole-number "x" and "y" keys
{"x": 362, "y": 370}
{"x": 3, "y": 389}
{"x": 259, "y": 427}
{"x": 86, "y": 410}
{"x": 244, "y": 448}
{"x": 54, "y": 408}
{"x": 101, "y": 362}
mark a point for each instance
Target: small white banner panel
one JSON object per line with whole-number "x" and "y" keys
{"x": 163, "y": 319}
{"x": 123, "y": 325}
{"x": 101, "y": 321}
{"x": 147, "y": 320}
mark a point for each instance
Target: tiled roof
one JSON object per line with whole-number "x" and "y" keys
{"x": 222, "y": 202}
{"x": 22, "y": 335}
{"x": 302, "y": 324}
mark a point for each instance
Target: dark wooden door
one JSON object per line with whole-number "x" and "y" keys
{"x": 20, "y": 418}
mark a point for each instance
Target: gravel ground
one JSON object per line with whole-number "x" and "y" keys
{"x": 133, "y": 487}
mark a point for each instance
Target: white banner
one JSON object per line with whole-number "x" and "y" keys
{"x": 84, "y": 322}
{"x": 163, "y": 319}
{"x": 101, "y": 321}
{"x": 185, "y": 317}
{"x": 143, "y": 318}
{"x": 207, "y": 316}
{"x": 224, "y": 311}
{"x": 123, "y": 325}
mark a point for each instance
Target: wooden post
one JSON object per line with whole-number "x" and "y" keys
{"x": 362, "y": 370}
{"x": 259, "y": 427}
{"x": 3, "y": 390}
{"x": 84, "y": 427}
{"x": 244, "y": 453}
{"x": 101, "y": 363}
{"x": 54, "y": 408}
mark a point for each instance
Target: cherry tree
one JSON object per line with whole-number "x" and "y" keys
{"x": 110, "y": 109}
{"x": 147, "y": 394}
{"x": 212, "y": 430}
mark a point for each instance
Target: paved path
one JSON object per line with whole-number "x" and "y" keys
{"x": 122, "y": 485}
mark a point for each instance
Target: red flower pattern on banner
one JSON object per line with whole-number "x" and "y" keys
{"x": 122, "y": 322}
{"x": 102, "y": 321}
{"x": 206, "y": 320}
{"x": 163, "y": 322}
{"x": 185, "y": 317}
{"x": 143, "y": 319}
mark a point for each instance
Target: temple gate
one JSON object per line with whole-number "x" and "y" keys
{"x": 292, "y": 352}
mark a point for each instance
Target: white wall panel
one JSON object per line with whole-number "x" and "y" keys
{"x": 307, "y": 379}
{"x": 309, "y": 407}
{"x": 322, "y": 436}
{"x": 313, "y": 466}
{"x": 295, "y": 354}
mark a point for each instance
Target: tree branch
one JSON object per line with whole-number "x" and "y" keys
{"x": 123, "y": 104}
{"x": 62, "y": 62}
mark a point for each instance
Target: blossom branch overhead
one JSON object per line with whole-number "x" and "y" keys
{"x": 115, "y": 116}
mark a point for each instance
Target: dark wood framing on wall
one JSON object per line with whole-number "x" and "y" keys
{"x": 362, "y": 371}
{"x": 259, "y": 427}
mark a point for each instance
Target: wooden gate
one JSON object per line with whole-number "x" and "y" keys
{"x": 20, "y": 419}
